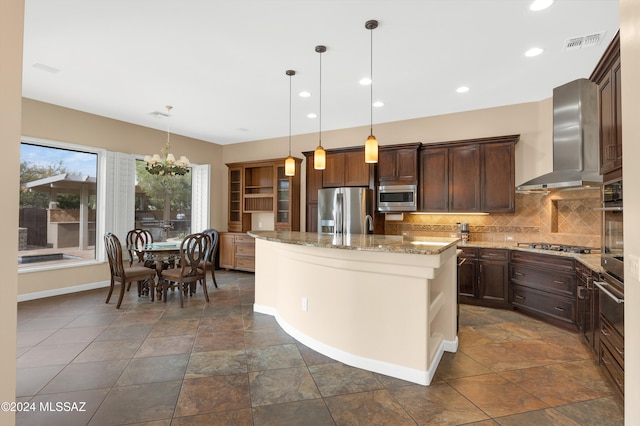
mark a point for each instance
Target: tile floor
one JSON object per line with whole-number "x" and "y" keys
{"x": 221, "y": 364}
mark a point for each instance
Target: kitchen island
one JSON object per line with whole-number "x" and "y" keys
{"x": 383, "y": 303}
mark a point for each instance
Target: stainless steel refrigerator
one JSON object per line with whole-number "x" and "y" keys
{"x": 345, "y": 211}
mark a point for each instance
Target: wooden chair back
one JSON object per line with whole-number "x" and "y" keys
{"x": 137, "y": 238}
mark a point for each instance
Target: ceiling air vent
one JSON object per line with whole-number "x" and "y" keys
{"x": 591, "y": 40}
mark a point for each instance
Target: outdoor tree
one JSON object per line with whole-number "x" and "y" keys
{"x": 166, "y": 193}
{"x": 30, "y": 172}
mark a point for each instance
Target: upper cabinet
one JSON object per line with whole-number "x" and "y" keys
{"x": 398, "y": 164}
{"x": 262, "y": 187}
{"x": 346, "y": 168}
{"x": 607, "y": 76}
{"x": 476, "y": 175}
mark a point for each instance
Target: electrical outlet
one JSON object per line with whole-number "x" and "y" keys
{"x": 305, "y": 304}
{"x": 509, "y": 238}
{"x": 259, "y": 224}
{"x": 634, "y": 266}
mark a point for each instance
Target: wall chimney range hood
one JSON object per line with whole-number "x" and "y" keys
{"x": 576, "y": 152}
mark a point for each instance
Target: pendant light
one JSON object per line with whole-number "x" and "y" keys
{"x": 371, "y": 145}
{"x": 167, "y": 164}
{"x": 290, "y": 163}
{"x": 319, "y": 155}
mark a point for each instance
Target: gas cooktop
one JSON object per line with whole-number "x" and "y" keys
{"x": 560, "y": 247}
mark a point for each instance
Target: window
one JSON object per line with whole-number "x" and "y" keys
{"x": 163, "y": 204}
{"x": 58, "y": 203}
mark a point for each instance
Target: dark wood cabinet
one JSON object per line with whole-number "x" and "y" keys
{"x": 346, "y": 168}
{"x": 587, "y": 306}
{"x": 398, "y": 164}
{"x": 434, "y": 180}
{"x": 238, "y": 221}
{"x": 469, "y": 176}
{"x": 483, "y": 277}
{"x": 464, "y": 178}
{"x": 611, "y": 351}
{"x": 544, "y": 285}
{"x": 608, "y": 77}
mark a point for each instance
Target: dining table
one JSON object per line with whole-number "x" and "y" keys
{"x": 161, "y": 253}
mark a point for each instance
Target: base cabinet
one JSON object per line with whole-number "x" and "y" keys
{"x": 588, "y": 307}
{"x": 237, "y": 251}
{"x": 544, "y": 285}
{"x": 612, "y": 352}
{"x": 483, "y": 277}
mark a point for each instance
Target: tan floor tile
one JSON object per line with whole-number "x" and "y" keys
{"x": 368, "y": 408}
{"x": 496, "y": 396}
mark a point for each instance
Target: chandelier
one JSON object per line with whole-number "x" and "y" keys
{"x": 167, "y": 164}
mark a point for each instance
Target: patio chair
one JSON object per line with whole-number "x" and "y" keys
{"x": 126, "y": 275}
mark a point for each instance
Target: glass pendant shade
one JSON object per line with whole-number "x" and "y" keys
{"x": 319, "y": 158}
{"x": 289, "y": 166}
{"x": 371, "y": 150}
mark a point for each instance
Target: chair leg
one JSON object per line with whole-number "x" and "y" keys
{"x": 152, "y": 289}
{"x": 110, "y": 291}
{"x": 122, "y": 287}
{"x": 213, "y": 276}
{"x": 181, "y": 290}
{"x": 204, "y": 288}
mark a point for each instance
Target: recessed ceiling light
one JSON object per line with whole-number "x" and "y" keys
{"x": 378, "y": 104}
{"x": 312, "y": 115}
{"x": 462, "y": 89}
{"x": 540, "y": 5}
{"x": 304, "y": 94}
{"x": 534, "y": 51}
{"x": 365, "y": 81}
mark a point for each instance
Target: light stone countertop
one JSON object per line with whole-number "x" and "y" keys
{"x": 404, "y": 244}
{"x": 590, "y": 260}
{"x": 361, "y": 242}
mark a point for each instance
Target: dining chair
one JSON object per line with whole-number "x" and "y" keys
{"x": 209, "y": 262}
{"x": 193, "y": 250}
{"x": 126, "y": 275}
{"x": 138, "y": 238}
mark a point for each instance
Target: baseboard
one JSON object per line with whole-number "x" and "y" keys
{"x": 61, "y": 291}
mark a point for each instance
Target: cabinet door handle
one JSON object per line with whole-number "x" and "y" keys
{"x": 605, "y": 332}
{"x": 558, "y": 308}
{"x": 606, "y": 361}
{"x": 519, "y": 274}
{"x": 620, "y": 351}
{"x": 619, "y": 382}
{"x": 517, "y": 296}
{"x": 558, "y": 282}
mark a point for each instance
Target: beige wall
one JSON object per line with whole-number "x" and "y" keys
{"x": 630, "y": 60}
{"x": 11, "y": 27}
{"x": 46, "y": 121}
{"x": 532, "y": 121}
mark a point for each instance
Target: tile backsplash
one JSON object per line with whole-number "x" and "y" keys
{"x": 560, "y": 217}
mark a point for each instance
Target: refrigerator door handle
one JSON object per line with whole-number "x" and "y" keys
{"x": 339, "y": 213}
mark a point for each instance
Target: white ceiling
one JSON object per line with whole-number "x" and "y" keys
{"x": 221, "y": 63}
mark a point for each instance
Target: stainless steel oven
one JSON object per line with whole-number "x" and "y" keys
{"x": 612, "y": 301}
{"x": 612, "y": 241}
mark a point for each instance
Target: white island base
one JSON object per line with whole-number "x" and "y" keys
{"x": 385, "y": 311}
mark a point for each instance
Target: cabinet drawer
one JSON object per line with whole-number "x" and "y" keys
{"x": 613, "y": 368}
{"x": 245, "y": 250}
{"x": 467, "y": 252}
{"x": 244, "y": 239}
{"x": 613, "y": 340}
{"x": 562, "y": 308}
{"x": 547, "y": 261}
{"x": 246, "y": 263}
{"x": 493, "y": 254}
{"x": 547, "y": 280}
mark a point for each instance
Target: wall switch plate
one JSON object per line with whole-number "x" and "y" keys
{"x": 634, "y": 266}
{"x": 305, "y": 304}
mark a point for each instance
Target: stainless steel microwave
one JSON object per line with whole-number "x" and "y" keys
{"x": 398, "y": 198}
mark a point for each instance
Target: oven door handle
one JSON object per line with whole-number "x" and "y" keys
{"x": 601, "y": 285}
{"x": 608, "y": 209}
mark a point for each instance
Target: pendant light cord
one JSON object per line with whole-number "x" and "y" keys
{"x": 320, "y": 106}
{"x": 290, "y": 114}
{"x": 371, "y": 77}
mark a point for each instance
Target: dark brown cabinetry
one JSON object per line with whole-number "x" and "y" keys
{"x": 398, "y": 164}
{"x": 612, "y": 352}
{"x": 346, "y": 168}
{"x": 607, "y": 76}
{"x": 237, "y": 251}
{"x": 469, "y": 176}
{"x": 544, "y": 285}
{"x": 588, "y": 309}
{"x": 483, "y": 277}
